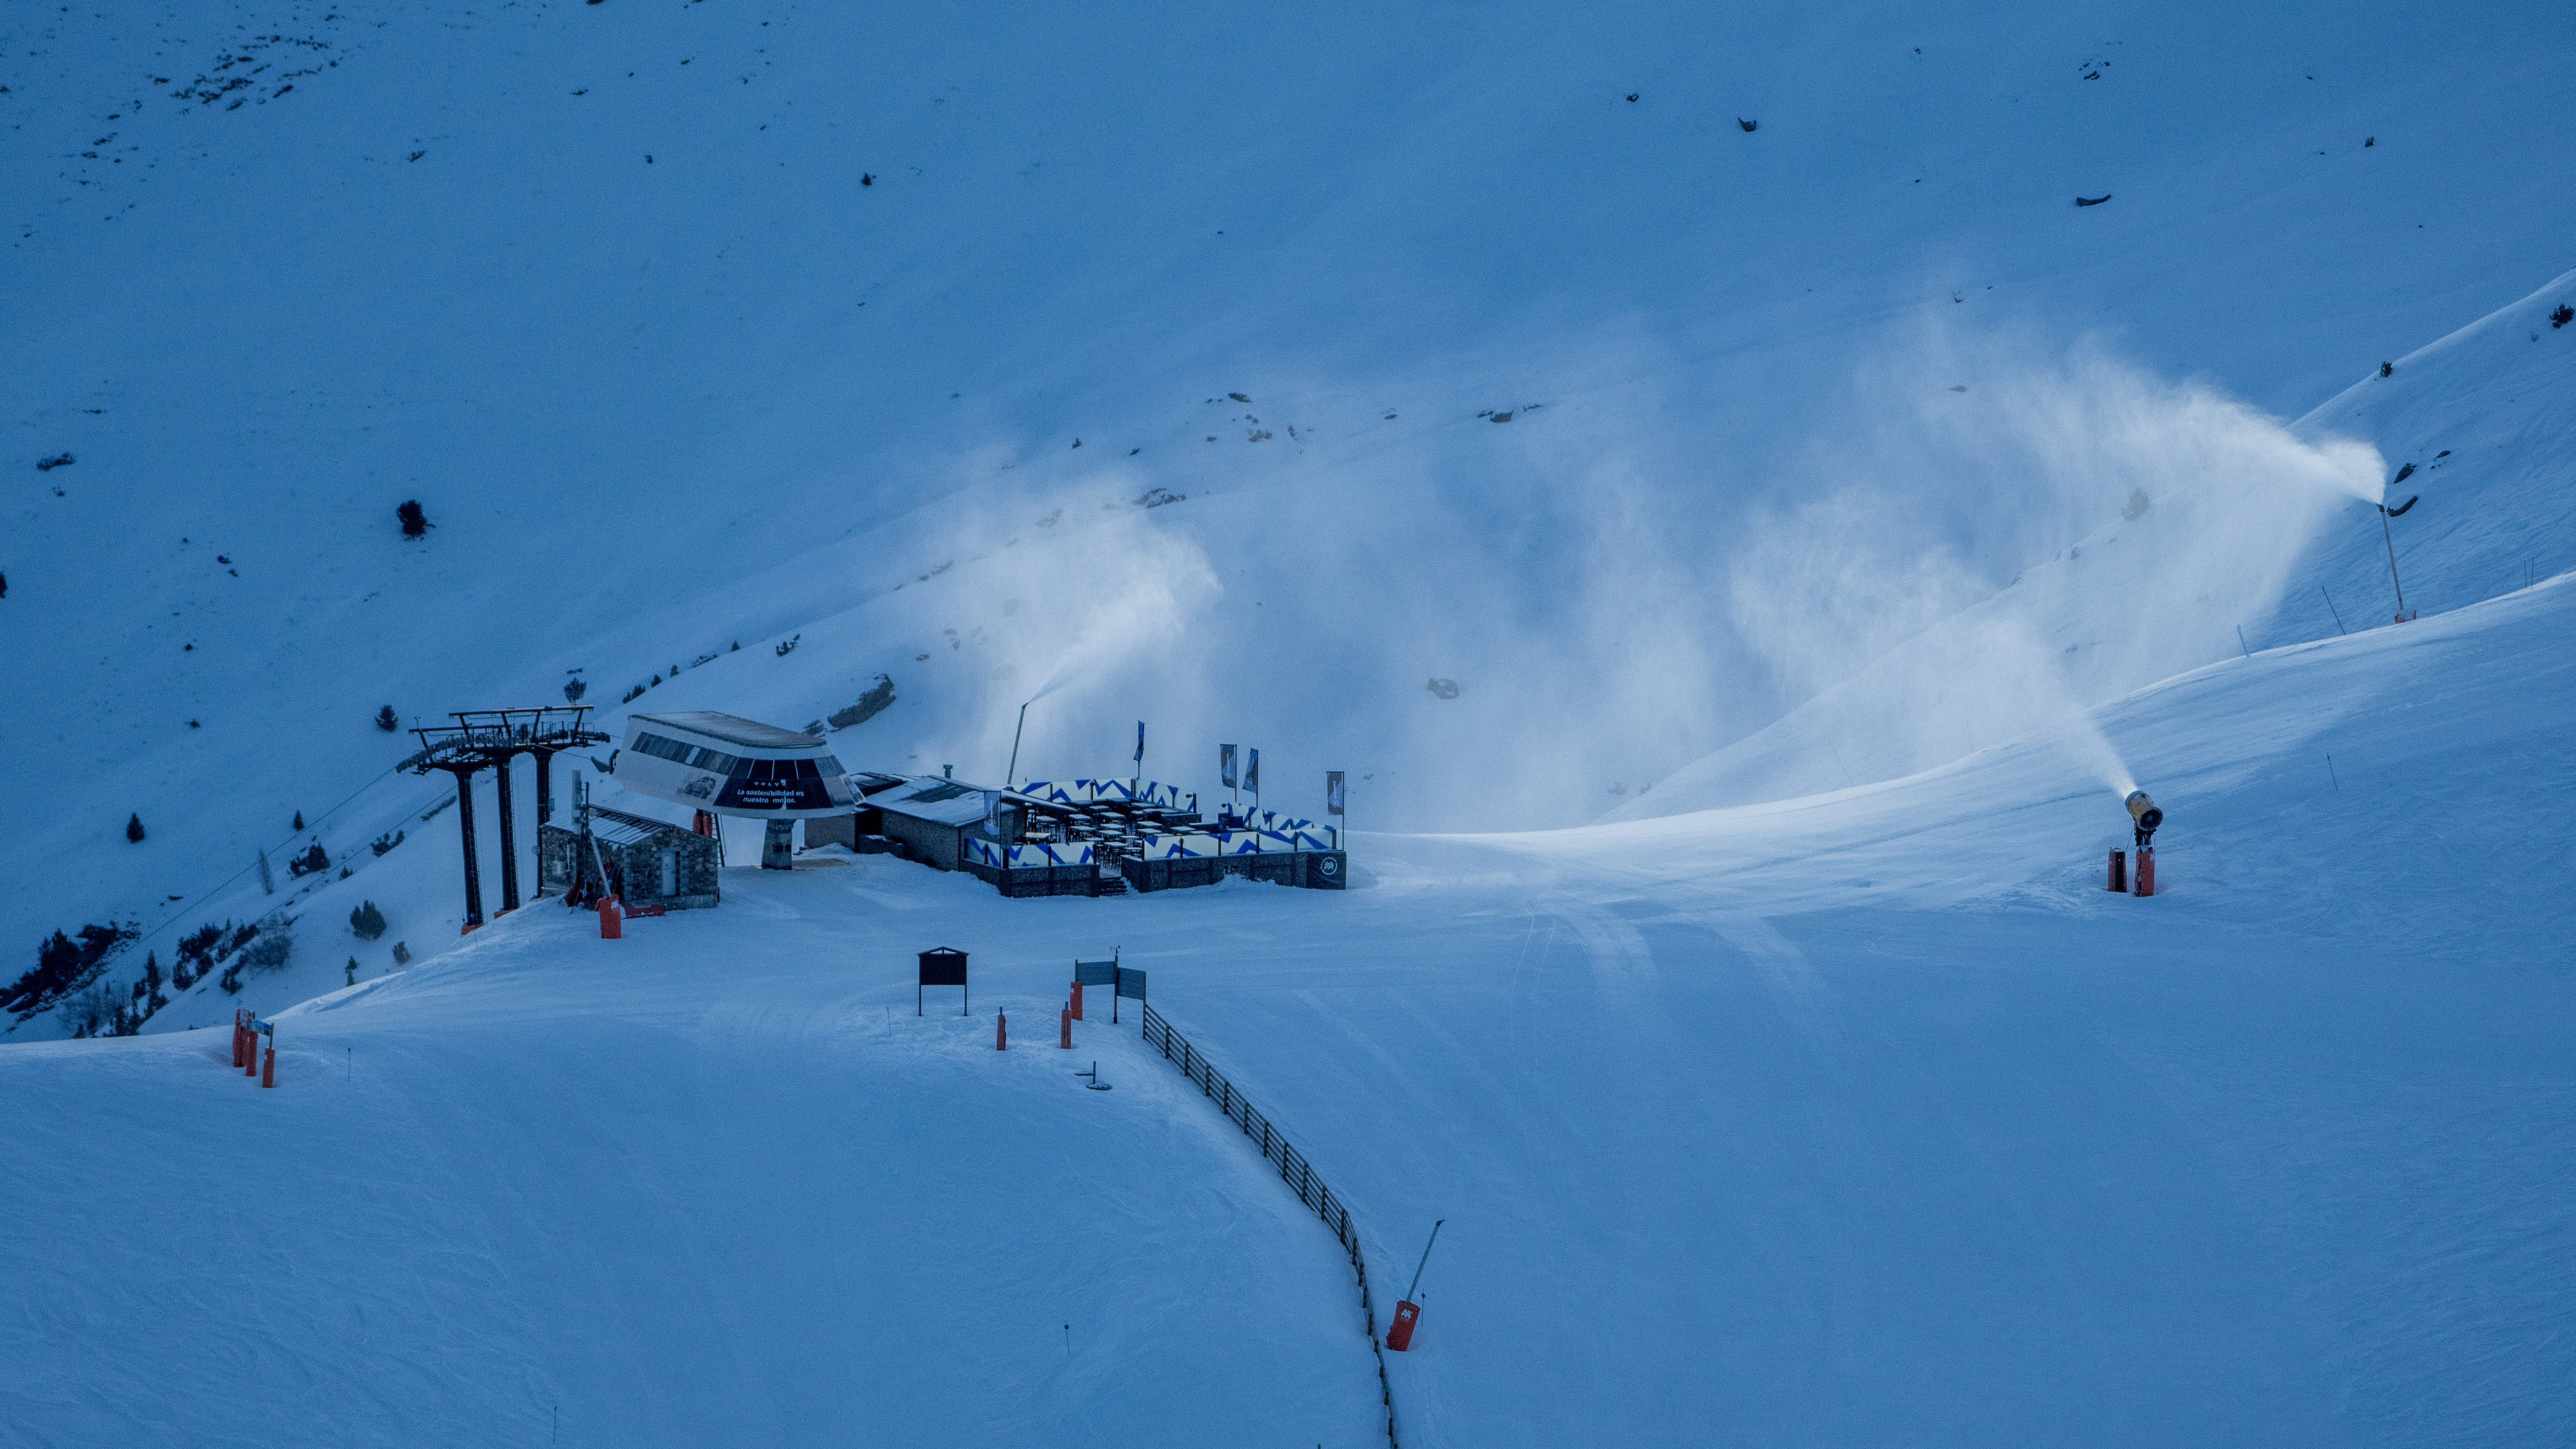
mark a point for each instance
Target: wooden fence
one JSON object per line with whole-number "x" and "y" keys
{"x": 1293, "y": 1170}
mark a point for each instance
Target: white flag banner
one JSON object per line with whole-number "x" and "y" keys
{"x": 1225, "y": 765}
{"x": 1332, "y": 792}
{"x": 993, "y": 811}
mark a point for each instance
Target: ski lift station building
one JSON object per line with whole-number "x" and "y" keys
{"x": 723, "y": 764}
{"x": 727, "y": 765}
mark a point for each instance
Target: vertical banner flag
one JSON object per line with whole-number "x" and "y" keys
{"x": 1332, "y": 792}
{"x": 1225, "y": 765}
{"x": 1140, "y": 742}
{"x": 1252, "y": 773}
{"x": 993, "y": 811}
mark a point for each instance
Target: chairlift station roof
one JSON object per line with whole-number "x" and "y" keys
{"x": 729, "y": 765}
{"x": 733, "y": 729}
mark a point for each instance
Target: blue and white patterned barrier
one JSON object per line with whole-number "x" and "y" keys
{"x": 1110, "y": 792}
{"x": 985, "y": 853}
{"x": 1044, "y": 854}
{"x": 1179, "y": 847}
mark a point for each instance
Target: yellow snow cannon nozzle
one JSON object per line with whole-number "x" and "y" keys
{"x": 2143, "y": 811}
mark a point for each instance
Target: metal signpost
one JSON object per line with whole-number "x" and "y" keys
{"x": 1098, "y": 973}
{"x": 1130, "y": 982}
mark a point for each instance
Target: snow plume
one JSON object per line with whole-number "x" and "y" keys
{"x": 2007, "y": 541}
{"x": 1086, "y": 623}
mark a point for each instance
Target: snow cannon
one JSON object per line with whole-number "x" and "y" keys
{"x": 2145, "y": 816}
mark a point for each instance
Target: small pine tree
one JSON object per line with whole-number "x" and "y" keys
{"x": 299, "y": 822}
{"x": 134, "y": 827}
{"x": 353, "y": 970}
{"x": 415, "y": 523}
{"x": 367, "y": 921}
{"x": 402, "y": 954}
{"x": 385, "y": 720}
{"x": 574, "y": 689}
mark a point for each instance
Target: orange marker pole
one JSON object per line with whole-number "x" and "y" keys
{"x": 1077, "y": 1001}
{"x": 612, "y": 921}
{"x": 1064, "y": 1020}
{"x": 268, "y": 1072}
{"x": 2119, "y": 871}
{"x": 1001, "y": 1032}
{"x": 2146, "y": 870}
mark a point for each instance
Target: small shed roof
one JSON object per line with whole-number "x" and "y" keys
{"x": 929, "y": 797}
{"x": 616, "y": 827}
{"x": 734, "y": 729}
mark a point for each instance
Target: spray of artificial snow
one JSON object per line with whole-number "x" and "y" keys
{"x": 1991, "y": 559}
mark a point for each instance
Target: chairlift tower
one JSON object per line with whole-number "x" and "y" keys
{"x": 491, "y": 738}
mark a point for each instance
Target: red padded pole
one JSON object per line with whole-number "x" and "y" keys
{"x": 1064, "y": 1020}
{"x": 1001, "y": 1032}
{"x": 268, "y": 1072}
{"x": 2146, "y": 870}
{"x": 1077, "y": 1001}
{"x": 1399, "y": 1330}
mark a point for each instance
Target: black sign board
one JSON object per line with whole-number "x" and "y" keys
{"x": 942, "y": 966}
{"x": 1095, "y": 973}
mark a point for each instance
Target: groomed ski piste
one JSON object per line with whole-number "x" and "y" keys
{"x": 1726, "y": 961}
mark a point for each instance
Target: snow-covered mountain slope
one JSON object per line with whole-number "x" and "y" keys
{"x": 1865, "y": 1118}
{"x": 692, "y": 325}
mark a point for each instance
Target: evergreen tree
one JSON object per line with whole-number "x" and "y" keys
{"x": 385, "y": 720}
{"x": 415, "y": 524}
{"x": 367, "y": 921}
{"x": 134, "y": 827}
{"x": 299, "y": 822}
{"x": 353, "y": 970}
